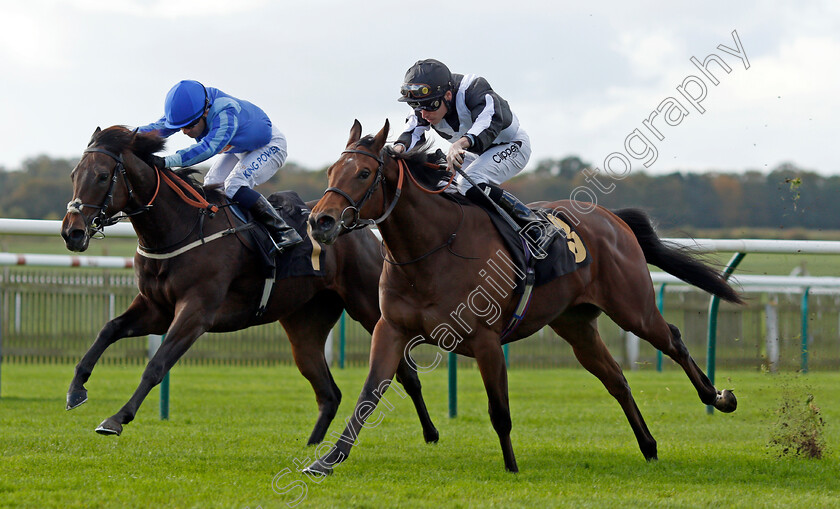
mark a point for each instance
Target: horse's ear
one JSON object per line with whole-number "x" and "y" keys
{"x": 92, "y": 136}
{"x": 355, "y": 133}
{"x": 381, "y": 137}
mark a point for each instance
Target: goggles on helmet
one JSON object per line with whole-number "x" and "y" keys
{"x": 418, "y": 91}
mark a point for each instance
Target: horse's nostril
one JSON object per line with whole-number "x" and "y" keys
{"x": 326, "y": 221}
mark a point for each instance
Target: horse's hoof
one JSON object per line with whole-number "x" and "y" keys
{"x": 109, "y": 427}
{"x": 431, "y": 438}
{"x": 76, "y": 398}
{"x": 726, "y": 401}
{"x": 317, "y": 469}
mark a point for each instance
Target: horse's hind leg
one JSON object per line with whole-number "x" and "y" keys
{"x": 645, "y": 321}
{"x": 592, "y": 353}
{"x": 139, "y": 319}
{"x": 307, "y": 329}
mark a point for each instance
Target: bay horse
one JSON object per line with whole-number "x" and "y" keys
{"x": 217, "y": 286}
{"x": 436, "y": 288}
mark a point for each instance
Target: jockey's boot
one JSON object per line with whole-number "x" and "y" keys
{"x": 518, "y": 210}
{"x": 537, "y": 230}
{"x": 282, "y": 234}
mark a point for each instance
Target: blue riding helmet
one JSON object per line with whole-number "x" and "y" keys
{"x": 185, "y": 103}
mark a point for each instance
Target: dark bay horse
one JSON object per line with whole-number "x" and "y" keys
{"x": 217, "y": 286}
{"x": 437, "y": 287}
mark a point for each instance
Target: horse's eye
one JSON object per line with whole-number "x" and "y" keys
{"x": 364, "y": 174}
{"x": 102, "y": 178}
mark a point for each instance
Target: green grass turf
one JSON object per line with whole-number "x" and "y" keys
{"x": 232, "y": 430}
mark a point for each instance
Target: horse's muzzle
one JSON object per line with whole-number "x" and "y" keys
{"x": 75, "y": 235}
{"x": 324, "y": 227}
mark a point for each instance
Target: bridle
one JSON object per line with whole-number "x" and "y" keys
{"x": 356, "y": 207}
{"x": 98, "y": 222}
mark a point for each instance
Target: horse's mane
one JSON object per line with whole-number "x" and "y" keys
{"x": 421, "y": 162}
{"x": 144, "y": 145}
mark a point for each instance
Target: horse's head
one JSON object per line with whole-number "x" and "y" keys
{"x": 353, "y": 179}
{"x": 101, "y": 186}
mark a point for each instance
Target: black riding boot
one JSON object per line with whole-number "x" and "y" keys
{"x": 518, "y": 210}
{"x": 283, "y": 234}
{"x": 537, "y": 230}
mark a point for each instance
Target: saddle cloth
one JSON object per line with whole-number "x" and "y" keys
{"x": 303, "y": 259}
{"x": 566, "y": 254}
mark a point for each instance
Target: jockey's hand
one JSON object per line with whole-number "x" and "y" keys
{"x": 158, "y": 162}
{"x": 399, "y": 148}
{"x": 455, "y": 157}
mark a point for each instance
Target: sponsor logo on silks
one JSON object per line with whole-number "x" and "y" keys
{"x": 261, "y": 159}
{"x": 227, "y": 147}
{"x": 511, "y": 151}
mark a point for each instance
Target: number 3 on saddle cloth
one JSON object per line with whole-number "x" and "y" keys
{"x": 303, "y": 259}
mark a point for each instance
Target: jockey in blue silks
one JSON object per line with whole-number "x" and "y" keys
{"x": 251, "y": 149}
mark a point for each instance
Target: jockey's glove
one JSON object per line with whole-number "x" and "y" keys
{"x": 158, "y": 162}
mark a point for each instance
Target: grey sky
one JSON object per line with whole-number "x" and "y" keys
{"x": 581, "y": 76}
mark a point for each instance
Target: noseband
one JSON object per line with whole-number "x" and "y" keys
{"x": 356, "y": 207}
{"x": 101, "y": 220}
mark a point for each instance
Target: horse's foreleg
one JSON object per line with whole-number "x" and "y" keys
{"x": 593, "y": 355}
{"x": 386, "y": 351}
{"x": 407, "y": 376}
{"x": 186, "y": 327}
{"x": 139, "y": 319}
{"x": 491, "y": 364}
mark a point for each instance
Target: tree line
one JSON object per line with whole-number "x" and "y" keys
{"x": 787, "y": 197}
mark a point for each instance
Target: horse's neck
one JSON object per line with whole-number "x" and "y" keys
{"x": 169, "y": 220}
{"x": 419, "y": 223}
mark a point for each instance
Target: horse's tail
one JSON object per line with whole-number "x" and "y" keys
{"x": 675, "y": 261}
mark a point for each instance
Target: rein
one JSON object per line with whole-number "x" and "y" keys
{"x": 447, "y": 244}
{"x": 198, "y": 201}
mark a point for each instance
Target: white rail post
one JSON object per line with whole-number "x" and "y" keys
{"x": 631, "y": 347}
{"x": 771, "y": 314}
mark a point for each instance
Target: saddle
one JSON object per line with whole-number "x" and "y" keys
{"x": 303, "y": 259}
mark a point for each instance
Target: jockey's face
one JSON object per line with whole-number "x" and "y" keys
{"x": 434, "y": 117}
{"x": 196, "y": 130}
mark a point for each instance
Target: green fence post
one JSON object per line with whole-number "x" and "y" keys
{"x": 164, "y": 398}
{"x": 805, "y": 329}
{"x": 453, "y": 384}
{"x": 342, "y": 338}
{"x": 660, "y": 303}
{"x": 712, "y": 332}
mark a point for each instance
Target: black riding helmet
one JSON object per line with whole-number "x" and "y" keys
{"x": 425, "y": 81}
